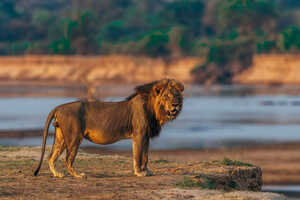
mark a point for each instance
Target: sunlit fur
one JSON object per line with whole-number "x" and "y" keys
{"x": 139, "y": 117}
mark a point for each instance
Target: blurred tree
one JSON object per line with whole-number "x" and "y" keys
{"x": 156, "y": 44}
{"x": 224, "y": 60}
{"x": 246, "y": 15}
{"x": 176, "y": 27}
{"x": 83, "y": 33}
{"x": 265, "y": 46}
{"x": 114, "y": 31}
{"x": 8, "y": 15}
{"x": 289, "y": 39}
{"x": 62, "y": 46}
{"x": 186, "y": 13}
{"x": 76, "y": 36}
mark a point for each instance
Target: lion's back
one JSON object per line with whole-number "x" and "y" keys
{"x": 68, "y": 110}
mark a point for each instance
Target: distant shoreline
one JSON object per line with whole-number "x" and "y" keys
{"x": 120, "y": 69}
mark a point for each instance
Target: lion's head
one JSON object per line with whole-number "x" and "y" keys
{"x": 167, "y": 99}
{"x": 164, "y": 98}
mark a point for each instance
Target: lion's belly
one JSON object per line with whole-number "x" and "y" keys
{"x": 100, "y": 137}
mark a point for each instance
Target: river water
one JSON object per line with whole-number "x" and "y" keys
{"x": 208, "y": 119}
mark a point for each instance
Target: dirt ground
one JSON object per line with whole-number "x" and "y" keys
{"x": 280, "y": 163}
{"x": 109, "y": 176}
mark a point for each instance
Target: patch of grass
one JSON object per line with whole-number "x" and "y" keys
{"x": 161, "y": 161}
{"x": 10, "y": 149}
{"x": 205, "y": 183}
{"x": 208, "y": 183}
{"x": 8, "y": 179}
{"x": 186, "y": 183}
{"x": 120, "y": 162}
{"x": 28, "y": 162}
{"x": 7, "y": 163}
{"x": 229, "y": 162}
{"x": 233, "y": 184}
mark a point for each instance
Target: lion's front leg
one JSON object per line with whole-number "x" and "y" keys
{"x": 145, "y": 158}
{"x": 140, "y": 147}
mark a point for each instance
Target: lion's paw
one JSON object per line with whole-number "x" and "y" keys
{"x": 143, "y": 173}
{"x": 59, "y": 175}
{"x": 149, "y": 173}
{"x": 81, "y": 175}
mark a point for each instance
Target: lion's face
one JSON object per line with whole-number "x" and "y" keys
{"x": 169, "y": 99}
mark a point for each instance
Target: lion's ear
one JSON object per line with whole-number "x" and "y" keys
{"x": 157, "y": 89}
{"x": 160, "y": 86}
{"x": 180, "y": 86}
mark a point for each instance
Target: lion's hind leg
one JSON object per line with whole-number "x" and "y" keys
{"x": 57, "y": 149}
{"x": 72, "y": 150}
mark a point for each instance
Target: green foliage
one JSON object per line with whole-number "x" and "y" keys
{"x": 147, "y": 27}
{"x": 19, "y": 48}
{"x": 224, "y": 59}
{"x": 41, "y": 17}
{"x": 265, "y": 46}
{"x": 62, "y": 46}
{"x": 246, "y": 15}
{"x": 289, "y": 38}
{"x": 207, "y": 183}
{"x": 114, "y": 31}
{"x": 186, "y": 183}
{"x": 7, "y": 9}
{"x": 223, "y": 53}
{"x": 184, "y": 12}
{"x": 204, "y": 183}
{"x": 156, "y": 44}
{"x": 229, "y": 162}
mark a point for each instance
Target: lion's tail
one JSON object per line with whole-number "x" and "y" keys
{"x": 45, "y": 135}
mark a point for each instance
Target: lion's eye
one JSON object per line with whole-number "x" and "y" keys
{"x": 157, "y": 91}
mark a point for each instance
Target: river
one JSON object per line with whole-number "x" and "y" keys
{"x": 205, "y": 121}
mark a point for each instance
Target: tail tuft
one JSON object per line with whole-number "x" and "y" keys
{"x": 36, "y": 172}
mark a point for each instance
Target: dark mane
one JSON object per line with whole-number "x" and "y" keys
{"x": 144, "y": 90}
{"x": 154, "y": 127}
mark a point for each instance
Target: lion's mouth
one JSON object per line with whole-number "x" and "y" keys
{"x": 173, "y": 113}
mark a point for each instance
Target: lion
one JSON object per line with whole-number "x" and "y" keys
{"x": 139, "y": 117}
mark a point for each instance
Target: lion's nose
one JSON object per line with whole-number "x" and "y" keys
{"x": 175, "y": 104}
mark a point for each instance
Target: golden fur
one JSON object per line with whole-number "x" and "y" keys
{"x": 139, "y": 117}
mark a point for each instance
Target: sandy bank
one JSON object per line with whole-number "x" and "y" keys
{"x": 266, "y": 69}
{"x": 272, "y": 69}
{"x": 111, "y": 177}
{"x": 90, "y": 70}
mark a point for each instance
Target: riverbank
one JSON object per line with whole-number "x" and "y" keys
{"x": 111, "y": 177}
{"x": 285, "y": 155}
{"x": 97, "y": 70}
{"x": 90, "y": 71}
{"x": 279, "y": 162}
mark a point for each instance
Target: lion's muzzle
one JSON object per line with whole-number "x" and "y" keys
{"x": 174, "y": 110}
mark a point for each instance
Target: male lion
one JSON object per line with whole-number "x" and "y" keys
{"x": 139, "y": 117}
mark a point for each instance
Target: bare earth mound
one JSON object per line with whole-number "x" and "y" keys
{"x": 111, "y": 177}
